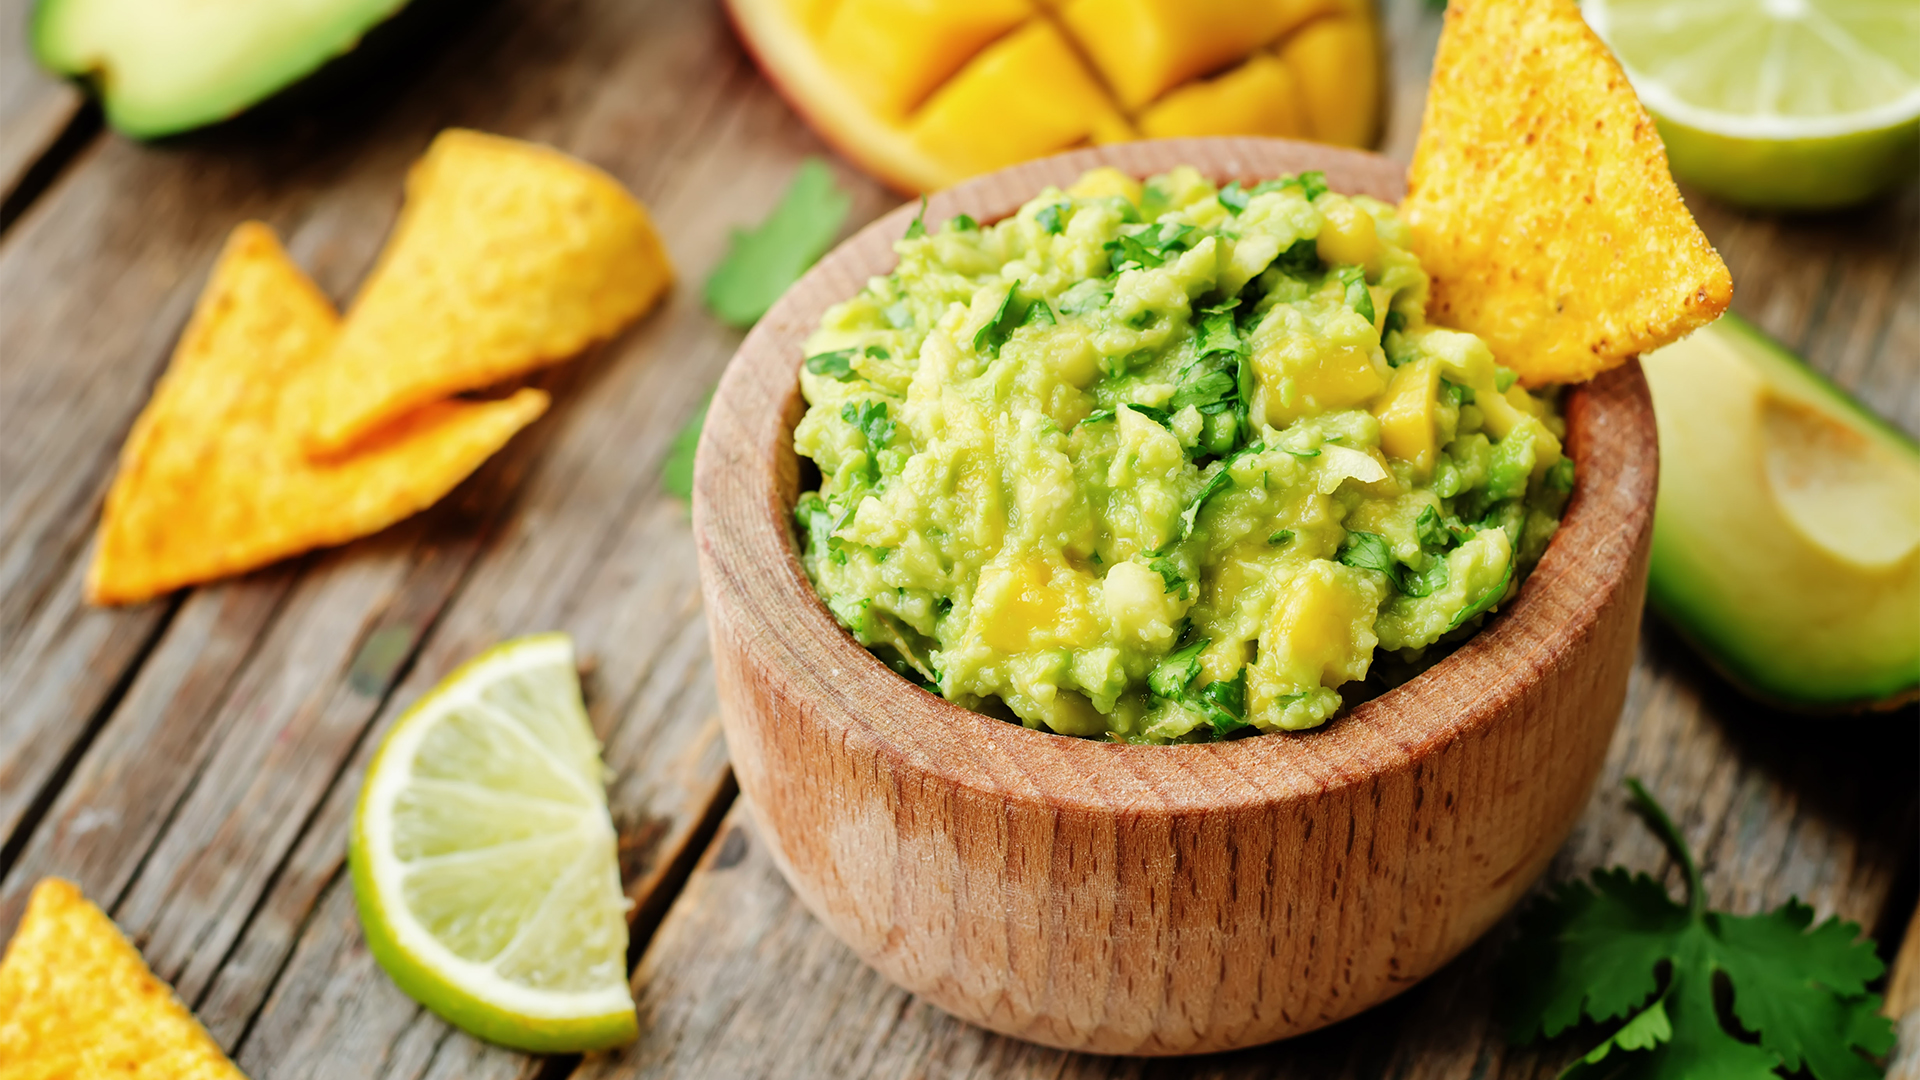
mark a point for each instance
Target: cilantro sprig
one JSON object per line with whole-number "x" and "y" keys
{"x": 763, "y": 261}
{"x": 1620, "y": 949}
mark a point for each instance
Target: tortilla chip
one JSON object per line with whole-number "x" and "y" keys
{"x": 77, "y": 1001}
{"x": 1541, "y": 203}
{"x": 507, "y": 257}
{"x": 213, "y": 479}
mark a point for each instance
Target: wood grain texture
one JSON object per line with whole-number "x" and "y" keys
{"x": 1156, "y": 900}
{"x": 35, "y": 108}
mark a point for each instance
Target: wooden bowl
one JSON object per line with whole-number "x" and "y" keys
{"x": 1155, "y": 899}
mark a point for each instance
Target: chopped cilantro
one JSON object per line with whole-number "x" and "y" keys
{"x": 1098, "y": 415}
{"x": 917, "y": 228}
{"x": 1456, "y": 393}
{"x": 1487, "y": 599}
{"x": 1395, "y": 321}
{"x": 963, "y": 223}
{"x": 1504, "y": 378}
{"x": 1050, "y": 219}
{"x": 1311, "y": 184}
{"x": 1158, "y": 416}
{"x": 1225, "y": 702}
{"x": 1149, "y": 247}
{"x": 761, "y": 262}
{"x": 1177, "y": 672}
{"x": 1702, "y": 993}
{"x": 1217, "y": 332}
{"x": 1233, "y": 197}
{"x": 1358, "y": 298}
{"x": 1208, "y": 389}
{"x": 1299, "y": 260}
{"x": 1432, "y": 531}
{"x": 1280, "y": 536}
{"x": 837, "y": 364}
{"x": 676, "y": 475}
{"x": 1368, "y": 551}
{"x": 1038, "y": 314}
{"x": 1300, "y": 453}
{"x": 870, "y": 419}
{"x": 1560, "y": 475}
{"x": 995, "y": 332}
{"x": 1422, "y": 582}
{"x": 1169, "y": 572}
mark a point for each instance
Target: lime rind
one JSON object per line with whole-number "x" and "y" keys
{"x": 556, "y": 1013}
{"x": 1787, "y": 104}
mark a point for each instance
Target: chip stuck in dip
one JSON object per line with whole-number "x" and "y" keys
{"x": 1166, "y": 462}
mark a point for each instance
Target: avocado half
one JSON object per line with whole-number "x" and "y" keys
{"x": 1786, "y": 540}
{"x": 165, "y": 66}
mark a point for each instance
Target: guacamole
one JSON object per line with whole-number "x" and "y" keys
{"x": 1165, "y": 462}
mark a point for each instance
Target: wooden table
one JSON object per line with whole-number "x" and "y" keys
{"x": 192, "y": 762}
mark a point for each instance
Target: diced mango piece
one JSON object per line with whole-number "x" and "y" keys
{"x": 1260, "y": 97}
{"x": 1146, "y": 47}
{"x": 1106, "y": 182}
{"x": 1406, "y": 415}
{"x": 1321, "y": 631}
{"x": 1025, "y": 95}
{"x": 1347, "y": 236}
{"x": 1296, "y": 383}
{"x": 893, "y": 53}
{"x": 1033, "y": 604}
{"x": 1334, "y": 61}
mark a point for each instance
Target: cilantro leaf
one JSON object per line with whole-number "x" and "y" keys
{"x": 1218, "y": 333}
{"x": 1619, "y": 948}
{"x": 1368, "y": 551}
{"x": 837, "y": 364}
{"x": 1048, "y": 217}
{"x": 963, "y": 223}
{"x": 1158, "y": 416}
{"x": 1170, "y": 574}
{"x": 1177, "y": 672}
{"x": 1212, "y": 387}
{"x": 1149, "y": 247}
{"x": 917, "y": 228}
{"x": 1358, "y": 298}
{"x": 995, "y": 332}
{"x": 676, "y": 475}
{"x": 1280, "y": 536}
{"x": 763, "y": 261}
{"x": 1299, "y": 260}
{"x": 1233, "y": 198}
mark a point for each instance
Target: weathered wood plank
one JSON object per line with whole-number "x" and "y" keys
{"x": 740, "y": 981}
{"x": 35, "y": 108}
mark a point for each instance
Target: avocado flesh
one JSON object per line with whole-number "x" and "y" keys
{"x": 165, "y": 66}
{"x": 1786, "y": 540}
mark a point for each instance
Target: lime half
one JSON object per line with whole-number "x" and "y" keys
{"x": 1788, "y": 104}
{"x": 483, "y": 856}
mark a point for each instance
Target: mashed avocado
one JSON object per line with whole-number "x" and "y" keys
{"x": 1165, "y": 462}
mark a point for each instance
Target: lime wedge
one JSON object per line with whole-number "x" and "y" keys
{"x": 1784, "y": 104}
{"x": 483, "y": 856}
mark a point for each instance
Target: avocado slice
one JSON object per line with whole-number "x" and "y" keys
{"x": 165, "y": 66}
{"x": 1786, "y": 540}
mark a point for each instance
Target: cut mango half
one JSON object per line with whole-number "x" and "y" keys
{"x": 1786, "y": 540}
{"x": 925, "y": 93}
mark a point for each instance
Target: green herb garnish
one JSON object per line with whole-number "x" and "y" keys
{"x": 1456, "y": 393}
{"x": 1177, "y": 672}
{"x": 763, "y": 261}
{"x": 1302, "y": 259}
{"x": 1050, "y": 219}
{"x": 1504, "y": 378}
{"x": 1704, "y": 994}
{"x": 1147, "y": 248}
{"x": 1233, "y": 197}
{"x": 1280, "y": 536}
{"x": 837, "y": 364}
{"x": 676, "y": 475}
{"x": 963, "y": 223}
{"x": 1368, "y": 551}
{"x": 1358, "y": 298}
{"x": 917, "y": 228}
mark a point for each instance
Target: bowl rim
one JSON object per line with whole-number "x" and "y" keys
{"x": 742, "y": 510}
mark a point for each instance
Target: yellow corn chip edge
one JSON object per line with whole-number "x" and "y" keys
{"x": 1540, "y": 200}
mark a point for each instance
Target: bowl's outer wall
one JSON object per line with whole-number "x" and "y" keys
{"x": 1156, "y": 900}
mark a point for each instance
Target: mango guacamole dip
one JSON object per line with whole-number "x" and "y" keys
{"x": 1166, "y": 462}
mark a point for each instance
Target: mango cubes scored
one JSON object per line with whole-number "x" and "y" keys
{"x": 928, "y": 92}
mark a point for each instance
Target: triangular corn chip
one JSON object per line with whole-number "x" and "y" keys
{"x": 77, "y": 1002}
{"x": 213, "y": 479}
{"x": 507, "y": 256}
{"x": 1540, "y": 201}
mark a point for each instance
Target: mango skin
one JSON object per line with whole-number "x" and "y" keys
{"x": 1785, "y": 611}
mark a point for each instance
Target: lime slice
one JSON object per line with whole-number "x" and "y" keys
{"x": 1788, "y": 104}
{"x": 483, "y": 856}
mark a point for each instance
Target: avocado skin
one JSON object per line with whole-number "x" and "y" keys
{"x": 1737, "y": 627}
{"x": 331, "y": 61}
